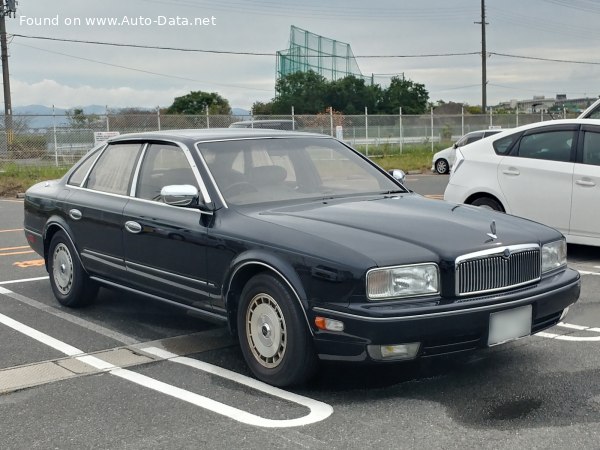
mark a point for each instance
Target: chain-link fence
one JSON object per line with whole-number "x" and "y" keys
{"x": 60, "y": 140}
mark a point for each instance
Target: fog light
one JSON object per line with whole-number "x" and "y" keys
{"x": 323, "y": 323}
{"x": 394, "y": 352}
{"x": 564, "y": 314}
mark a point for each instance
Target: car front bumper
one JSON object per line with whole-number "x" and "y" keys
{"x": 445, "y": 329}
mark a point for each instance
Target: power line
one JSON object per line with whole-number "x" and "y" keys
{"x": 226, "y": 52}
{"x": 536, "y": 58}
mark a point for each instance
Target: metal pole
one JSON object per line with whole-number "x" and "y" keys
{"x": 207, "y": 118}
{"x": 107, "y": 119}
{"x": 401, "y": 133}
{"x": 6, "y": 80}
{"x": 491, "y": 119}
{"x": 431, "y": 130}
{"x": 483, "y": 60}
{"x": 293, "y": 119}
{"x": 517, "y": 109}
{"x": 55, "y": 140}
{"x": 331, "y": 120}
{"x": 367, "y": 131}
{"x": 462, "y": 120}
{"x": 158, "y": 117}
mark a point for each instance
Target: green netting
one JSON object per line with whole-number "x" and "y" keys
{"x": 308, "y": 51}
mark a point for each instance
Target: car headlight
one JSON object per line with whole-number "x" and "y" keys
{"x": 554, "y": 255}
{"x": 403, "y": 281}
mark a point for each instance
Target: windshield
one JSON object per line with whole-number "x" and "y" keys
{"x": 262, "y": 170}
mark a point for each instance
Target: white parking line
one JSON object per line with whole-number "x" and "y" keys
{"x": 318, "y": 410}
{"x": 24, "y": 280}
{"x": 568, "y": 337}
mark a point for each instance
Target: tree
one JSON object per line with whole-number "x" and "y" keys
{"x": 351, "y": 95}
{"x": 196, "y": 103}
{"x": 305, "y": 91}
{"x": 262, "y": 109}
{"x": 410, "y": 96}
{"x": 78, "y": 119}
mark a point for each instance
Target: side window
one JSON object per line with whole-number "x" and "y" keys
{"x": 112, "y": 173}
{"x": 79, "y": 174}
{"x": 591, "y": 148}
{"x": 163, "y": 165}
{"x": 503, "y": 145}
{"x": 473, "y": 138}
{"x": 551, "y": 145}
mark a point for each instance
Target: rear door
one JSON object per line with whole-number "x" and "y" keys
{"x": 585, "y": 215}
{"x": 94, "y": 209}
{"x": 537, "y": 177}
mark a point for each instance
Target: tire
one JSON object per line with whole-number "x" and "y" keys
{"x": 441, "y": 166}
{"x": 488, "y": 203}
{"x": 70, "y": 284}
{"x": 273, "y": 333}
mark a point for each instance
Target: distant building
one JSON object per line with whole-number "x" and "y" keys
{"x": 540, "y": 103}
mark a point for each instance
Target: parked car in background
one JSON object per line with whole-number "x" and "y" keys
{"x": 548, "y": 172}
{"x": 592, "y": 112}
{"x": 303, "y": 246}
{"x": 444, "y": 159}
{"x": 270, "y": 124}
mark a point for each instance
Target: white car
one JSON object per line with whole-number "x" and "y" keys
{"x": 548, "y": 172}
{"x": 444, "y": 159}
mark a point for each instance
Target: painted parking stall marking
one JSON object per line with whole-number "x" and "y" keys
{"x": 594, "y": 331}
{"x": 11, "y": 251}
{"x": 318, "y": 410}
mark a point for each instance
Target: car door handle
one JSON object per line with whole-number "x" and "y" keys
{"x": 75, "y": 214}
{"x": 587, "y": 183}
{"x": 511, "y": 171}
{"x": 133, "y": 227}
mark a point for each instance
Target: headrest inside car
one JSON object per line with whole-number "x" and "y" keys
{"x": 266, "y": 175}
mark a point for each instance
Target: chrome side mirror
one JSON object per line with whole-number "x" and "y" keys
{"x": 398, "y": 175}
{"x": 179, "y": 194}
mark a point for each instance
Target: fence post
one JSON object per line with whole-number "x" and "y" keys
{"x": 462, "y": 120}
{"x": 207, "y": 118}
{"x": 366, "y": 131}
{"x": 401, "y": 136}
{"x": 564, "y": 112}
{"x": 107, "y": 120}
{"x": 158, "y": 117}
{"x": 55, "y": 140}
{"x": 517, "y": 109}
{"x": 293, "y": 119}
{"x": 331, "y": 120}
{"x": 541, "y": 115}
{"x": 491, "y": 118}
{"x": 431, "y": 129}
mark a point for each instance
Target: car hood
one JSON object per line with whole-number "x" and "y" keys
{"x": 406, "y": 228}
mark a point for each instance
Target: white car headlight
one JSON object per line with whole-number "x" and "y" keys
{"x": 403, "y": 281}
{"x": 554, "y": 255}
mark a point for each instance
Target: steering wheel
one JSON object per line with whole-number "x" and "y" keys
{"x": 239, "y": 187}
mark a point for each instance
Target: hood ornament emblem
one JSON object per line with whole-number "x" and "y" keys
{"x": 493, "y": 230}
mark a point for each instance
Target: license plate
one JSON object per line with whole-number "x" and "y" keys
{"x": 509, "y": 325}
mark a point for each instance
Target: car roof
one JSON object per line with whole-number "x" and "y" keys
{"x": 214, "y": 134}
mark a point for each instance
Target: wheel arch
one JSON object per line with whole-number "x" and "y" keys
{"x": 471, "y": 198}
{"x": 54, "y": 225}
{"x": 247, "y": 267}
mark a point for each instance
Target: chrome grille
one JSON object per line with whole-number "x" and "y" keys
{"x": 497, "y": 269}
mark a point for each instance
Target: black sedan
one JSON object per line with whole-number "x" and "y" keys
{"x": 303, "y": 246}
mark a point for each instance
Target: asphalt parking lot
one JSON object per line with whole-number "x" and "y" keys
{"x": 127, "y": 372}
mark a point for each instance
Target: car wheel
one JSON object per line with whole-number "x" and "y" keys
{"x": 442, "y": 166}
{"x": 487, "y": 203}
{"x": 273, "y": 334}
{"x": 70, "y": 284}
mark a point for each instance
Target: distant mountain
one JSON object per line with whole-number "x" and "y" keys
{"x": 40, "y": 116}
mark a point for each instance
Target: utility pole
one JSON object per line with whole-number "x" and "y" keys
{"x": 8, "y": 9}
{"x": 483, "y": 59}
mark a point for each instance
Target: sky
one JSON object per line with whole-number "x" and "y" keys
{"x": 387, "y": 37}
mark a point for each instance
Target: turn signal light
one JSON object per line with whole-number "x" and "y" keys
{"x": 323, "y": 323}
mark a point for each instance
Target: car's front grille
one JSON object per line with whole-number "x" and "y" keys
{"x": 497, "y": 269}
